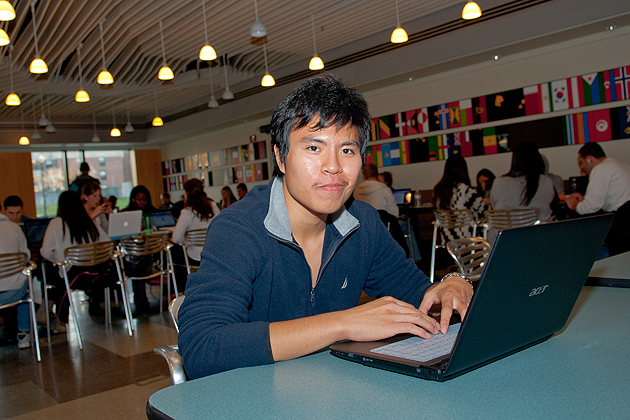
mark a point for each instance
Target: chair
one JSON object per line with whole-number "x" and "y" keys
{"x": 170, "y": 353}
{"x": 450, "y": 219}
{"x": 509, "y": 218}
{"x": 146, "y": 245}
{"x": 90, "y": 255}
{"x": 410, "y": 238}
{"x": 194, "y": 237}
{"x": 470, "y": 255}
{"x": 16, "y": 263}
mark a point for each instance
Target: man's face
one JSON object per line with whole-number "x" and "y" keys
{"x": 241, "y": 193}
{"x": 14, "y": 213}
{"x": 321, "y": 169}
{"x": 585, "y": 164}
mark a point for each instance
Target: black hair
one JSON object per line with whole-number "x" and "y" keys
{"x": 527, "y": 162}
{"x": 242, "y": 186}
{"x": 197, "y": 199}
{"x": 84, "y": 167}
{"x": 455, "y": 173}
{"x": 13, "y": 201}
{"x": 590, "y": 149}
{"x": 140, "y": 189}
{"x": 488, "y": 174}
{"x": 369, "y": 171}
{"x": 70, "y": 209}
{"x": 387, "y": 177}
{"x": 166, "y": 195}
{"x": 323, "y": 101}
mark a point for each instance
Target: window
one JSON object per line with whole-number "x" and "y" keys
{"x": 49, "y": 178}
{"x": 101, "y": 161}
{"x": 103, "y": 175}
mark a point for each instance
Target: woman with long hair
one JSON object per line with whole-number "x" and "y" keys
{"x": 197, "y": 213}
{"x": 454, "y": 192}
{"x": 72, "y": 226}
{"x": 97, "y": 207}
{"x": 485, "y": 178}
{"x": 525, "y": 185}
{"x": 227, "y": 197}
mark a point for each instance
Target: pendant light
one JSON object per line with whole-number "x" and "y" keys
{"x": 471, "y": 11}
{"x": 257, "y": 30}
{"x": 24, "y": 141}
{"x": 35, "y": 135}
{"x": 165, "y": 72}
{"x": 12, "y": 98}
{"x": 128, "y": 127}
{"x": 104, "y": 77}
{"x": 213, "y": 101}
{"x": 4, "y": 38}
{"x": 227, "y": 93}
{"x": 316, "y": 63}
{"x": 399, "y": 35}
{"x": 43, "y": 121}
{"x": 50, "y": 128}
{"x": 82, "y": 95}
{"x": 7, "y": 12}
{"x": 96, "y": 138}
{"x": 157, "y": 121}
{"x": 267, "y": 80}
{"x": 115, "y": 132}
{"x": 38, "y": 66}
{"x": 207, "y": 53}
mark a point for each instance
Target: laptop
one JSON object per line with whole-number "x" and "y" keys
{"x": 401, "y": 196}
{"x": 531, "y": 281}
{"x": 34, "y": 230}
{"x": 162, "y": 219}
{"x": 128, "y": 223}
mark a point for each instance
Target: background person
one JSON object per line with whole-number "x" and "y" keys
{"x": 95, "y": 206}
{"x": 485, "y": 178}
{"x": 241, "y": 190}
{"x": 165, "y": 200}
{"x": 14, "y": 209}
{"x": 387, "y": 179}
{"x": 83, "y": 178}
{"x": 375, "y": 193}
{"x": 227, "y": 197}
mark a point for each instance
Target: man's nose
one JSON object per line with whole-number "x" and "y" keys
{"x": 331, "y": 162}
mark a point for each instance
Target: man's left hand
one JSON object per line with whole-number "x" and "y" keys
{"x": 454, "y": 293}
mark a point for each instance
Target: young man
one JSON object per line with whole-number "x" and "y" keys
{"x": 241, "y": 190}
{"x": 82, "y": 179}
{"x": 285, "y": 277}
{"x": 14, "y": 209}
{"x": 374, "y": 192}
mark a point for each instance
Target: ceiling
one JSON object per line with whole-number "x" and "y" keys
{"x": 346, "y": 32}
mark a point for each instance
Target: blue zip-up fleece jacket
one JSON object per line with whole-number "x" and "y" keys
{"x": 253, "y": 272}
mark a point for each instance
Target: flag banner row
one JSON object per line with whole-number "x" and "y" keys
{"x": 571, "y": 93}
{"x": 579, "y": 128}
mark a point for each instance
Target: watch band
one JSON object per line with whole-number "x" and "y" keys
{"x": 456, "y": 274}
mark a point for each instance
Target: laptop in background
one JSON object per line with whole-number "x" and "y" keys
{"x": 162, "y": 219}
{"x": 532, "y": 279}
{"x": 34, "y": 230}
{"x": 128, "y": 223}
{"x": 401, "y": 196}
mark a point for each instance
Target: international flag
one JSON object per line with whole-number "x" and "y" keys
{"x": 545, "y": 92}
{"x": 423, "y": 120}
{"x": 442, "y": 147}
{"x": 454, "y": 146}
{"x": 466, "y": 111}
{"x": 502, "y": 143}
{"x": 394, "y": 152}
{"x": 610, "y": 93}
{"x": 622, "y": 83}
{"x": 375, "y": 131}
{"x": 454, "y": 116}
{"x": 463, "y": 139}
{"x": 476, "y": 138}
{"x": 599, "y": 125}
{"x": 387, "y": 157}
{"x": 418, "y": 150}
{"x": 404, "y": 152}
{"x": 559, "y": 95}
{"x": 505, "y": 105}
{"x": 411, "y": 122}
{"x": 576, "y": 92}
{"x": 378, "y": 155}
{"x": 369, "y": 155}
{"x": 592, "y": 91}
{"x": 385, "y": 127}
{"x": 489, "y": 141}
{"x": 433, "y": 147}
{"x": 400, "y": 124}
{"x": 480, "y": 113}
{"x": 442, "y": 117}
{"x": 620, "y": 122}
{"x": 533, "y": 100}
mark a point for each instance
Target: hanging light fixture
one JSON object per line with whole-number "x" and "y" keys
{"x": 399, "y": 35}
{"x": 96, "y": 138}
{"x": 50, "y": 128}
{"x": 157, "y": 121}
{"x": 24, "y": 141}
{"x": 43, "y": 121}
{"x": 257, "y": 30}
{"x": 4, "y": 38}
{"x": 115, "y": 132}
{"x": 38, "y": 66}
{"x": 207, "y": 53}
{"x": 165, "y": 72}
{"x": 12, "y": 98}
{"x": 128, "y": 127}
{"x": 82, "y": 95}
{"x": 267, "y": 80}
{"x": 316, "y": 63}
{"x": 104, "y": 77}
{"x": 7, "y": 12}
{"x": 213, "y": 101}
{"x": 471, "y": 11}
{"x": 227, "y": 93}
{"x": 35, "y": 135}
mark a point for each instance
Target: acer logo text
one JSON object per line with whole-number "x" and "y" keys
{"x": 538, "y": 290}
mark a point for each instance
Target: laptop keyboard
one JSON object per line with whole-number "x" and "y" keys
{"x": 420, "y": 349}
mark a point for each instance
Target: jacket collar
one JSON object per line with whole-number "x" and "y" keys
{"x": 277, "y": 220}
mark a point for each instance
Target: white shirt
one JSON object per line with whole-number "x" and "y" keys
{"x": 378, "y": 195}
{"x": 190, "y": 220}
{"x": 608, "y": 187}
{"x": 13, "y": 240}
{"x": 507, "y": 193}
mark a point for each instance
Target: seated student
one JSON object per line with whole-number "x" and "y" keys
{"x": 227, "y": 198}
{"x": 295, "y": 255}
{"x": 140, "y": 199}
{"x": 197, "y": 214}
{"x": 165, "y": 199}
{"x": 94, "y": 205}
{"x": 375, "y": 193}
{"x": 15, "y": 287}
{"x": 73, "y": 226}
{"x": 241, "y": 190}
{"x": 525, "y": 186}
{"x": 113, "y": 201}
{"x": 387, "y": 179}
{"x": 14, "y": 209}
{"x": 485, "y": 178}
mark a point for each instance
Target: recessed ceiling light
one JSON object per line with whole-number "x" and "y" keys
{"x": 496, "y": 57}
{"x": 612, "y": 27}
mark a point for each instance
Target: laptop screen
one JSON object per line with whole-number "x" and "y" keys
{"x": 34, "y": 230}
{"x": 162, "y": 219}
{"x": 400, "y": 195}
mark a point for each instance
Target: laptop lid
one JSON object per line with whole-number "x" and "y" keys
{"x": 128, "y": 223}
{"x": 162, "y": 219}
{"x": 34, "y": 230}
{"x": 400, "y": 196}
{"x": 532, "y": 279}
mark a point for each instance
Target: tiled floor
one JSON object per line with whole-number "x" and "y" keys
{"x": 112, "y": 377}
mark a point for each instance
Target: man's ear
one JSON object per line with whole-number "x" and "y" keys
{"x": 279, "y": 162}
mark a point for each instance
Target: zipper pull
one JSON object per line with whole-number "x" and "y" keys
{"x": 312, "y": 294}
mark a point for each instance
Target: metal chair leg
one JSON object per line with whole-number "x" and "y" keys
{"x": 75, "y": 321}
{"x": 31, "y": 304}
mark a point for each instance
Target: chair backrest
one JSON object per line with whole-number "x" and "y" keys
{"x": 511, "y": 218}
{"x": 470, "y": 254}
{"x": 12, "y": 264}
{"x": 89, "y": 254}
{"x": 145, "y": 244}
{"x": 195, "y": 237}
{"x": 173, "y": 308}
{"x": 451, "y": 219}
